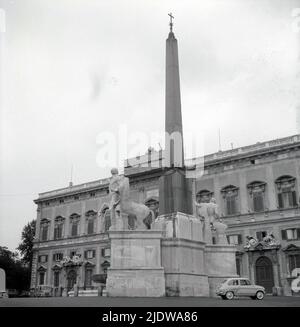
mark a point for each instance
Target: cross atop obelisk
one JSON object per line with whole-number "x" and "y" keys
{"x": 171, "y": 22}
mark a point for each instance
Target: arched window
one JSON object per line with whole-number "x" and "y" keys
{"x": 230, "y": 196}
{"x": 204, "y": 196}
{"x": 58, "y": 227}
{"x": 74, "y": 223}
{"x": 91, "y": 218}
{"x": 45, "y": 223}
{"x": 107, "y": 220}
{"x": 256, "y": 192}
{"x": 286, "y": 191}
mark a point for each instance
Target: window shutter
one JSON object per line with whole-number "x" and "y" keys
{"x": 39, "y": 258}
{"x": 240, "y": 239}
{"x": 46, "y": 258}
{"x": 280, "y": 200}
{"x": 94, "y": 253}
{"x": 53, "y": 257}
{"x": 283, "y": 234}
{"x": 102, "y": 252}
{"x": 298, "y": 233}
{"x": 294, "y": 199}
{"x": 85, "y": 254}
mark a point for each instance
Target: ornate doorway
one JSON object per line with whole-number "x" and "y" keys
{"x": 71, "y": 279}
{"x": 264, "y": 273}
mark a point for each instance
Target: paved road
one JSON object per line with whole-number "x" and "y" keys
{"x": 268, "y": 301}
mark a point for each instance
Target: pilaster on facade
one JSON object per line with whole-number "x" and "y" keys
{"x": 243, "y": 194}
{"x": 33, "y": 282}
{"x": 271, "y": 189}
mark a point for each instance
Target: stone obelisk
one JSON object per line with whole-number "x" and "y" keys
{"x": 175, "y": 193}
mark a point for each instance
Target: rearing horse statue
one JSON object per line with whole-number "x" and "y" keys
{"x": 128, "y": 206}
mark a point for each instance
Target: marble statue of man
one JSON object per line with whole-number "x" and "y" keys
{"x": 210, "y": 213}
{"x": 213, "y": 211}
{"x": 202, "y": 214}
{"x": 115, "y": 197}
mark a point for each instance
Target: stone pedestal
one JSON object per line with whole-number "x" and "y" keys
{"x": 184, "y": 264}
{"x": 192, "y": 267}
{"x": 136, "y": 268}
{"x": 183, "y": 255}
{"x": 219, "y": 264}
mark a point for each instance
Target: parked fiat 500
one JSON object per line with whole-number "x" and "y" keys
{"x": 232, "y": 287}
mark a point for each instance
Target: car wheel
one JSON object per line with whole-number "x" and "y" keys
{"x": 260, "y": 295}
{"x": 229, "y": 295}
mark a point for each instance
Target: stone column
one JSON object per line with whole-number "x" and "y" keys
{"x": 271, "y": 189}
{"x": 243, "y": 193}
{"x": 67, "y": 223}
{"x": 52, "y": 223}
{"x": 275, "y": 268}
{"x": 33, "y": 282}
{"x": 251, "y": 267}
{"x": 217, "y": 194}
{"x": 97, "y": 260}
{"x": 38, "y": 221}
{"x": 82, "y": 219}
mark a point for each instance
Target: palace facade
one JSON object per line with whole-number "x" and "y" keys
{"x": 256, "y": 187}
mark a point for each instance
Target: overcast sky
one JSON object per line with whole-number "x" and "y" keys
{"x": 71, "y": 69}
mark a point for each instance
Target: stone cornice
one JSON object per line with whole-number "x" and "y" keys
{"x": 67, "y": 242}
{"x": 263, "y": 222}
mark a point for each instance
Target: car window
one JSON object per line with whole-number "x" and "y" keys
{"x": 245, "y": 282}
{"x": 233, "y": 282}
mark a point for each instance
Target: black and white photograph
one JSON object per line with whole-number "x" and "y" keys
{"x": 149, "y": 156}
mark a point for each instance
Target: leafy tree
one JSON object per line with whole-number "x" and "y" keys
{"x": 26, "y": 245}
{"x": 18, "y": 269}
{"x": 17, "y": 275}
